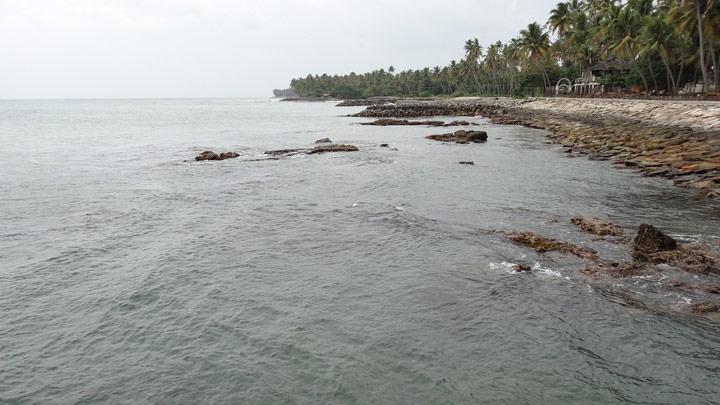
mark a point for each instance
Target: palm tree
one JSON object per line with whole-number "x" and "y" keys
{"x": 690, "y": 16}
{"x": 658, "y": 36}
{"x": 536, "y": 43}
{"x": 623, "y": 34}
{"x": 473, "y": 53}
{"x": 560, "y": 19}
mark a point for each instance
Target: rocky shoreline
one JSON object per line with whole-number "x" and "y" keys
{"x": 679, "y": 141}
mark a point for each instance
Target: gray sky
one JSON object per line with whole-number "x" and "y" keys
{"x": 224, "y": 48}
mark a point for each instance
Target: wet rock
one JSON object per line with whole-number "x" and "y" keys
{"x": 619, "y": 270}
{"x": 322, "y": 148}
{"x": 207, "y": 155}
{"x": 651, "y": 240}
{"x": 287, "y": 152}
{"x": 522, "y": 268}
{"x": 597, "y": 226}
{"x": 691, "y": 259}
{"x": 395, "y": 122}
{"x": 542, "y": 244}
{"x": 324, "y": 140}
{"x": 705, "y": 308}
{"x": 333, "y": 148}
{"x": 706, "y": 288}
{"x": 367, "y": 102}
{"x": 467, "y": 162}
{"x": 210, "y": 155}
{"x": 461, "y": 137}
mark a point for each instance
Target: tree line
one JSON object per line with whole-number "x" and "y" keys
{"x": 665, "y": 44}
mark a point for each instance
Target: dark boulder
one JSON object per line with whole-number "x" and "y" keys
{"x": 522, "y": 268}
{"x": 651, "y": 240}
{"x": 207, "y": 155}
{"x": 462, "y": 137}
{"x": 210, "y": 155}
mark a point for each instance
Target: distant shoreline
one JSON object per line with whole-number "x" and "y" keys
{"x": 676, "y": 140}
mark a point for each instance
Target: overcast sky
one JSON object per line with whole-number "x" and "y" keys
{"x": 232, "y": 48}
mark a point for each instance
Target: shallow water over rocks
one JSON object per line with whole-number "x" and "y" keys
{"x": 131, "y": 273}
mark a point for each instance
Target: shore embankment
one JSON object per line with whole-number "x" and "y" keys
{"x": 679, "y": 140}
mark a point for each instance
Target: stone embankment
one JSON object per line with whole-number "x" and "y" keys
{"x": 679, "y": 141}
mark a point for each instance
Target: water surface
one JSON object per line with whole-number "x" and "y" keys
{"x": 131, "y": 274}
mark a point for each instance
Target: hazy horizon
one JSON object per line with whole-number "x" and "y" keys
{"x": 79, "y": 49}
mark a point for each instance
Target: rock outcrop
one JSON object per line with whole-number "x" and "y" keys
{"x": 210, "y": 155}
{"x": 461, "y": 137}
{"x": 597, "y": 226}
{"x": 384, "y": 122}
{"x": 650, "y": 241}
{"x": 322, "y": 148}
{"x": 542, "y": 244}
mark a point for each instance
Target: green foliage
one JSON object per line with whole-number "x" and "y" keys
{"x": 663, "y": 45}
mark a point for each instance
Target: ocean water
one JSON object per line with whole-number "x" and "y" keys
{"x": 131, "y": 274}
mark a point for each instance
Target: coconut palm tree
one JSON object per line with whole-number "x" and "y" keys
{"x": 560, "y": 20}
{"x": 536, "y": 43}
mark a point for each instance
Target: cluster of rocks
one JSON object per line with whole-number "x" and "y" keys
{"x": 368, "y": 102}
{"x": 324, "y": 145}
{"x": 649, "y": 249}
{"x": 425, "y": 110}
{"x": 210, "y": 155}
{"x": 461, "y": 137}
{"x": 461, "y": 107}
{"x": 384, "y": 122}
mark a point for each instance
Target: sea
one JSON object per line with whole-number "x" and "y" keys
{"x": 132, "y": 274}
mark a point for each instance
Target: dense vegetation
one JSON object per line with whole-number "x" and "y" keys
{"x": 284, "y": 92}
{"x": 665, "y": 44}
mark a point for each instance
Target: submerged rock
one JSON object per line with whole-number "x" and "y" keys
{"x": 280, "y": 152}
{"x": 333, "y": 148}
{"x": 692, "y": 259}
{"x": 322, "y": 148}
{"x": 324, "y": 140}
{"x": 467, "y": 162}
{"x": 618, "y": 270}
{"x": 397, "y": 122}
{"x": 461, "y": 137}
{"x": 228, "y": 155}
{"x": 210, "y": 155}
{"x": 707, "y": 288}
{"x": 542, "y": 244}
{"x": 597, "y": 226}
{"x": 522, "y": 268}
{"x": 651, "y": 240}
{"x": 705, "y": 308}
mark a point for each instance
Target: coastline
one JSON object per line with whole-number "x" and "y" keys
{"x": 676, "y": 140}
